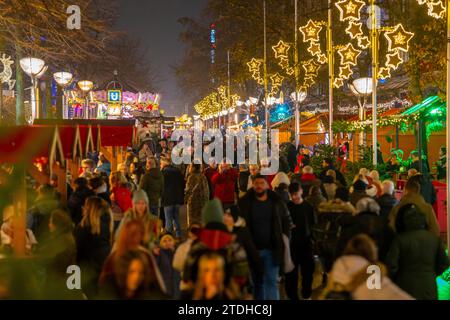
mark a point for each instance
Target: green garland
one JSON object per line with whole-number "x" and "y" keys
{"x": 405, "y": 123}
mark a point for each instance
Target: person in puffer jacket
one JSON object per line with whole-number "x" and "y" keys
{"x": 350, "y": 276}
{"x": 214, "y": 236}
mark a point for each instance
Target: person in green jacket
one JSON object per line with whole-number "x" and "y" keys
{"x": 152, "y": 182}
{"x": 416, "y": 256}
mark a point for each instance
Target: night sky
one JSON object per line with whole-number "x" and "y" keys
{"x": 154, "y": 22}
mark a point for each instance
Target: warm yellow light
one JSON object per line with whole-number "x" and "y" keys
{"x": 394, "y": 60}
{"x": 398, "y": 38}
{"x": 354, "y": 29}
{"x": 384, "y": 73}
{"x": 349, "y": 55}
{"x": 85, "y": 85}
{"x": 350, "y": 9}
{"x": 363, "y": 42}
{"x": 281, "y": 49}
{"x": 311, "y": 31}
{"x": 345, "y": 72}
{"x": 338, "y": 82}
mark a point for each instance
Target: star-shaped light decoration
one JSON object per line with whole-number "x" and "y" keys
{"x": 308, "y": 81}
{"x": 338, "y": 82}
{"x": 363, "y": 42}
{"x": 281, "y": 49}
{"x": 436, "y": 9}
{"x": 384, "y": 73}
{"x": 290, "y": 71}
{"x": 311, "y": 68}
{"x": 276, "y": 79}
{"x": 254, "y": 64}
{"x": 394, "y": 60}
{"x": 354, "y": 29}
{"x": 349, "y": 55}
{"x": 398, "y": 38}
{"x": 350, "y": 9}
{"x": 322, "y": 58}
{"x": 314, "y": 48}
{"x": 345, "y": 72}
{"x": 311, "y": 31}
{"x": 284, "y": 63}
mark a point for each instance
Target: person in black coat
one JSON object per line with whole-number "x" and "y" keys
{"x": 427, "y": 189}
{"x": 77, "y": 198}
{"x": 268, "y": 220}
{"x": 367, "y": 221}
{"x": 172, "y": 196}
{"x": 93, "y": 238}
{"x": 292, "y": 155}
{"x": 303, "y": 218}
{"x": 387, "y": 200}
{"x": 328, "y": 165}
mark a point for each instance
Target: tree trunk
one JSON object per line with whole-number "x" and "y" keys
{"x": 20, "y": 108}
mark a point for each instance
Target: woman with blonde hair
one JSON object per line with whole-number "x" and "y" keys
{"x": 93, "y": 239}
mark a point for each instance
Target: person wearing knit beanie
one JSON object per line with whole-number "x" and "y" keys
{"x": 140, "y": 195}
{"x": 212, "y": 212}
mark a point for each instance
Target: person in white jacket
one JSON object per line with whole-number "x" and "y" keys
{"x": 357, "y": 275}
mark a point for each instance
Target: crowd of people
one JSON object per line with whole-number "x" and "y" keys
{"x": 245, "y": 236}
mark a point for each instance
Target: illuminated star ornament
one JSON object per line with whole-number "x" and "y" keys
{"x": 363, "y": 42}
{"x": 281, "y": 49}
{"x": 311, "y": 31}
{"x": 284, "y": 63}
{"x": 394, "y": 60}
{"x": 338, "y": 82}
{"x": 309, "y": 81}
{"x": 311, "y": 68}
{"x": 436, "y": 9}
{"x": 254, "y": 65}
{"x": 354, "y": 29}
{"x": 350, "y": 9}
{"x": 384, "y": 73}
{"x": 314, "y": 48}
{"x": 345, "y": 72}
{"x": 398, "y": 38}
{"x": 276, "y": 79}
{"x": 322, "y": 58}
{"x": 349, "y": 55}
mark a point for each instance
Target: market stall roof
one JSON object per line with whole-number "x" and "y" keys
{"x": 24, "y": 144}
{"x": 430, "y": 105}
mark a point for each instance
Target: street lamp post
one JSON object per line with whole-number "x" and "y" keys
{"x": 362, "y": 88}
{"x": 86, "y": 86}
{"x": 34, "y": 68}
{"x": 63, "y": 79}
{"x": 298, "y": 97}
{"x": 374, "y": 81}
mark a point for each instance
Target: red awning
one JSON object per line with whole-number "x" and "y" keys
{"x": 25, "y": 144}
{"x": 116, "y": 136}
{"x": 67, "y": 135}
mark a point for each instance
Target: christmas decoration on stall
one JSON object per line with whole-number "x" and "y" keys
{"x": 6, "y": 74}
{"x": 280, "y": 113}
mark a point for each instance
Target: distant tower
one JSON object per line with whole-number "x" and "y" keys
{"x": 213, "y": 42}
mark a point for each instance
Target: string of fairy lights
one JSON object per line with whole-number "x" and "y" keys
{"x": 397, "y": 42}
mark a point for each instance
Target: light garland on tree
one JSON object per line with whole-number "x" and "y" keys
{"x": 215, "y": 103}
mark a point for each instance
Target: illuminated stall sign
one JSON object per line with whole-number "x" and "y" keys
{"x": 114, "y": 96}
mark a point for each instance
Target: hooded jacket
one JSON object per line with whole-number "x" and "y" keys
{"x": 215, "y": 238}
{"x": 224, "y": 185}
{"x": 422, "y": 206}
{"x": 416, "y": 257}
{"x": 343, "y": 275}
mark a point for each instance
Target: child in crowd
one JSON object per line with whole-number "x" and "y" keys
{"x": 164, "y": 257}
